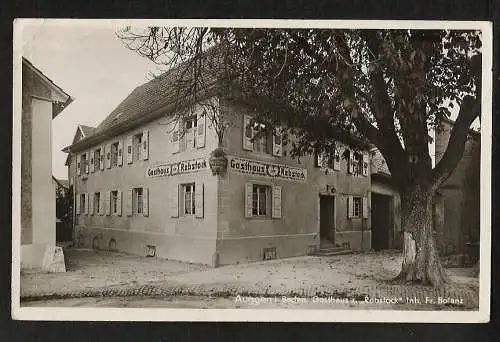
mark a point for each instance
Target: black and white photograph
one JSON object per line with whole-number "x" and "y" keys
{"x": 251, "y": 170}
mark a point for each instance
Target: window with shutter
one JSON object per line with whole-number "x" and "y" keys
{"x": 200, "y": 139}
{"x": 119, "y": 203}
{"x": 349, "y": 206}
{"x": 78, "y": 165}
{"x": 129, "y": 202}
{"x": 277, "y": 143}
{"x": 102, "y": 155}
{"x": 87, "y": 158}
{"x": 248, "y": 199}
{"x": 276, "y": 202}
{"x": 97, "y": 203}
{"x": 174, "y": 201}
{"x": 175, "y": 141}
{"x": 145, "y": 145}
{"x": 365, "y": 207}
{"x": 77, "y": 204}
{"x": 108, "y": 202}
{"x": 247, "y": 133}
{"x": 188, "y": 200}
{"x": 137, "y": 202}
{"x": 120, "y": 153}
{"x": 91, "y": 204}
{"x": 129, "y": 144}
{"x": 198, "y": 199}
{"x": 365, "y": 163}
{"x": 145, "y": 202}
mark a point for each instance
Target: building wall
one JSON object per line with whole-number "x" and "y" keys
{"x": 183, "y": 238}
{"x": 242, "y": 239}
{"x": 35, "y": 143}
{"x": 396, "y": 234}
{"x": 458, "y": 200}
{"x": 43, "y": 189}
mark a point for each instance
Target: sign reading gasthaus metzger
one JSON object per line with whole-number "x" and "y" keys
{"x": 265, "y": 169}
{"x": 185, "y": 166}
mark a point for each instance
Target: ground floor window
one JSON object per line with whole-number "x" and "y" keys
{"x": 188, "y": 192}
{"x": 82, "y": 203}
{"x": 114, "y": 202}
{"x": 260, "y": 194}
{"x": 138, "y": 201}
{"x": 356, "y": 210}
{"x": 97, "y": 202}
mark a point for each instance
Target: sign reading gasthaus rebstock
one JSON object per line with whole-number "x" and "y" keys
{"x": 185, "y": 166}
{"x": 265, "y": 169}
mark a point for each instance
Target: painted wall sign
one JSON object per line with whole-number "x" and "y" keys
{"x": 185, "y": 166}
{"x": 265, "y": 169}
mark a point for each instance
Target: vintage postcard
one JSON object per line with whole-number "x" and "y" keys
{"x": 251, "y": 170}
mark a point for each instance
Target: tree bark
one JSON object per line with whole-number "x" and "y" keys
{"x": 421, "y": 263}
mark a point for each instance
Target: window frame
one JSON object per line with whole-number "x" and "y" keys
{"x": 82, "y": 202}
{"x": 114, "y": 154}
{"x": 357, "y": 203}
{"x": 137, "y": 147}
{"x": 189, "y": 210}
{"x": 97, "y": 159}
{"x": 263, "y": 141}
{"x": 256, "y": 211}
{"x": 114, "y": 202}
{"x": 136, "y": 208}
{"x": 97, "y": 202}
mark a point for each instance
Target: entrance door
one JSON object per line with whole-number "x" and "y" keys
{"x": 381, "y": 221}
{"x": 327, "y": 219}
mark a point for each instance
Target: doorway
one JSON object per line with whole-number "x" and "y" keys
{"x": 327, "y": 220}
{"x": 381, "y": 221}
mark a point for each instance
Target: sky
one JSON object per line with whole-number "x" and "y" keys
{"x": 90, "y": 64}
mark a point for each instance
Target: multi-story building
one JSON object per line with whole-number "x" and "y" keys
{"x": 144, "y": 186}
{"x": 42, "y": 101}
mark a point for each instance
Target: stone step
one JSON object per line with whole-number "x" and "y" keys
{"x": 330, "y": 251}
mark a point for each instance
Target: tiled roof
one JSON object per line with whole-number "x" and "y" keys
{"x": 378, "y": 164}
{"x": 87, "y": 130}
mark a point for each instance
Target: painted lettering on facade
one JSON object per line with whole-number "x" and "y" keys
{"x": 264, "y": 169}
{"x": 185, "y": 166}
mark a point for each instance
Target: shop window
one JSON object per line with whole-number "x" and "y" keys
{"x": 260, "y": 195}
{"x": 97, "y": 202}
{"x": 137, "y": 147}
{"x": 114, "y": 202}
{"x": 138, "y": 203}
{"x": 188, "y": 202}
{"x": 114, "y": 154}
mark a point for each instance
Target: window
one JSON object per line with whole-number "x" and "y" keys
{"x": 188, "y": 193}
{"x": 137, "y": 147}
{"x": 114, "y": 154}
{"x": 97, "y": 159}
{"x": 261, "y": 139}
{"x": 97, "y": 202}
{"x": 114, "y": 202}
{"x": 138, "y": 201}
{"x": 190, "y": 132}
{"x": 259, "y": 200}
{"x": 84, "y": 163}
{"x": 356, "y": 209}
{"x": 82, "y": 203}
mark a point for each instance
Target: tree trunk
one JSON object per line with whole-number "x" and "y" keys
{"x": 421, "y": 263}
